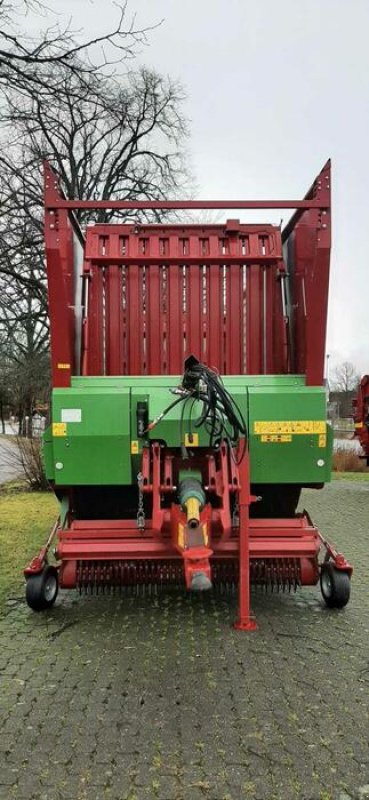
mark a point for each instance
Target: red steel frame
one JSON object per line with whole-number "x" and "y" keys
{"x": 160, "y": 282}
{"x": 168, "y": 278}
{"x": 252, "y": 539}
{"x": 233, "y": 268}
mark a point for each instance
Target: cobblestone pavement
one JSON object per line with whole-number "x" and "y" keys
{"x": 110, "y": 698}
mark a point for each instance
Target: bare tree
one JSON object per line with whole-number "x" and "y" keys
{"x": 106, "y": 137}
{"x": 5, "y": 394}
{"x": 29, "y": 65}
{"x": 24, "y": 370}
{"x": 345, "y": 377}
{"x": 24, "y": 458}
{"x": 24, "y": 332}
{"x": 117, "y": 141}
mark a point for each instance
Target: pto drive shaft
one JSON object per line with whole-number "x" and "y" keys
{"x": 192, "y": 499}
{"x": 196, "y": 554}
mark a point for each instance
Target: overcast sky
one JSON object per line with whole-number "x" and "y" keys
{"x": 275, "y": 87}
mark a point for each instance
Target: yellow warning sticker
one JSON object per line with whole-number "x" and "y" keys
{"x": 290, "y": 427}
{"x": 63, "y": 366}
{"x": 191, "y": 439}
{"x": 59, "y": 428}
{"x": 134, "y": 447}
{"x": 284, "y": 437}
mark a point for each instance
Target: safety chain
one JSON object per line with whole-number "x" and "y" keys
{"x": 140, "y": 509}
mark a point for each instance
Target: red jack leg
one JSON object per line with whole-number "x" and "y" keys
{"x": 245, "y": 621}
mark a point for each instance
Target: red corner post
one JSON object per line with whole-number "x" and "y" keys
{"x": 59, "y": 263}
{"x": 244, "y": 622}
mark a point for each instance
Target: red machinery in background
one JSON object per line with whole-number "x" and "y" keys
{"x": 361, "y": 415}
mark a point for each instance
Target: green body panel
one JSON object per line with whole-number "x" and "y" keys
{"x": 301, "y": 460}
{"x": 95, "y": 447}
{"x": 47, "y": 452}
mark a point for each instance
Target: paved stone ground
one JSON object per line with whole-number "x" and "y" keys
{"x": 108, "y": 698}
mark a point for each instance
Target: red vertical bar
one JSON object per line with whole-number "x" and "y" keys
{"x": 157, "y": 511}
{"x": 124, "y": 250}
{"x": 134, "y": 321}
{"x": 59, "y": 262}
{"x": 163, "y": 277}
{"x": 279, "y": 362}
{"x": 253, "y": 320}
{"x": 304, "y": 248}
{"x": 61, "y": 345}
{"x": 185, "y": 311}
{"x": 114, "y": 327}
{"x": 234, "y": 320}
{"x": 215, "y": 343}
{"x": 92, "y": 245}
{"x": 95, "y": 323}
{"x": 205, "y": 312}
{"x": 124, "y": 321}
{"x": 232, "y": 311}
{"x": 244, "y": 280}
{"x": 225, "y": 509}
{"x": 317, "y": 287}
{"x": 175, "y": 330}
{"x": 67, "y": 260}
{"x": 244, "y": 622}
{"x": 191, "y": 249}
{"x": 153, "y": 307}
{"x": 318, "y": 283}
{"x": 154, "y": 344}
{"x": 194, "y": 311}
{"x": 269, "y": 306}
{"x": 224, "y": 272}
{"x": 215, "y": 317}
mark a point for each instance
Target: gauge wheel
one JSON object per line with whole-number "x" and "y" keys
{"x": 42, "y": 588}
{"x": 335, "y": 586}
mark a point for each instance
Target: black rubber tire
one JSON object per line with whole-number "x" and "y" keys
{"x": 42, "y": 589}
{"x": 335, "y": 586}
